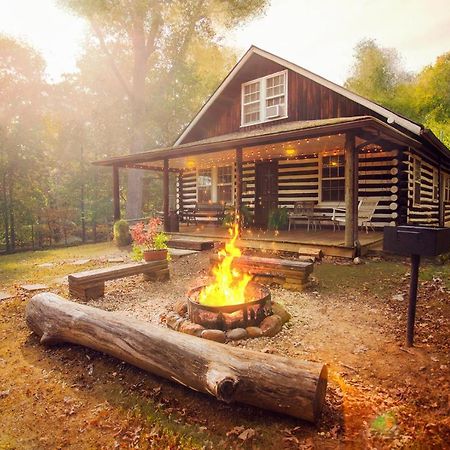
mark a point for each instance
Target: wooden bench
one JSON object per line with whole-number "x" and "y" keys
{"x": 289, "y": 274}
{"x": 209, "y": 211}
{"x": 90, "y": 284}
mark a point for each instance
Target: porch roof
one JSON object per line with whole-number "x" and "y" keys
{"x": 370, "y": 126}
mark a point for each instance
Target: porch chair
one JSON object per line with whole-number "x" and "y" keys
{"x": 303, "y": 210}
{"x": 366, "y": 210}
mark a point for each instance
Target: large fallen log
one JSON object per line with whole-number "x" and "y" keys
{"x": 272, "y": 382}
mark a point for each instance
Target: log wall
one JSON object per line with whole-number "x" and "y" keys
{"x": 427, "y": 211}
{"x": 299, "y": 180}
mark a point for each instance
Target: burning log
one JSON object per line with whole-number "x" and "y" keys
{"x": 272, "y": 382}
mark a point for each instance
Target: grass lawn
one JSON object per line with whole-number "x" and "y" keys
{"x": 24, "y": 267}
{"x": 380, "y": 395}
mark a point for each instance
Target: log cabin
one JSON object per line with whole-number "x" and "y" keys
{"x": 275, "y": 135}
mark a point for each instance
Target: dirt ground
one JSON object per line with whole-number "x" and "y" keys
{"x": 380, "y": 394}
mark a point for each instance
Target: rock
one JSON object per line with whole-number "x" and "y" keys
{"x": 398, "y": 297}
{"x": 194, "y": 329}
{"x": 115, "y": 259}
{"x": 46, "y": 265}
{"x": 81, "y": 262}
{"x": 279, "y": 310}
{"x": 33, "y": 287}
{"x": 4, "y": 394}
{"x": 236, "y": 334}
{"x": 180, "y": 307}
{"x": 254, "y": 332}
{"x": 173, "y": 320}
{"x": 271, "y": 325}
{"x": 357, "y": 260}
{"x": 214, "y": 335}
{"x": 5, "y": 296}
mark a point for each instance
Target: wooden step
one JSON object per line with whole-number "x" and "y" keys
{"x": 191, "y": 244}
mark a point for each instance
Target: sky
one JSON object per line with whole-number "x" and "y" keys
{"x": 319, "y": 35}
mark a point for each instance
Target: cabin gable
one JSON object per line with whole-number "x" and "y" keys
{"x": 306, "y": 100}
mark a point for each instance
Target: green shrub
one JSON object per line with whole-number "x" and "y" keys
{"x": 246, "y": 216}
{"x": 122, "y": 235}
{"x": 278, "y": 219}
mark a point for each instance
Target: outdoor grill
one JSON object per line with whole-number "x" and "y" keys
{"x": 415, "y": 241}
{"x": 250, "y": 313}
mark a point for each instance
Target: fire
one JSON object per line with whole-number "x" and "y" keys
{"x": 229, "y": 284}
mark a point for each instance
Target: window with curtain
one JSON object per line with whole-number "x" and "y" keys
{"x": 333, "y": 178}
{"x": 417, "y": 180}
{"x": 204, "y": 185}
{"x": 225, "y": 184}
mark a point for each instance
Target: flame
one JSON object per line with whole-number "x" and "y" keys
{"x": 229, "y": 284}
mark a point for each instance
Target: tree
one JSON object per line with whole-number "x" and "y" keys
{"x": 21, "y": 145}
{"x": 376, "y": 72}
{"x": 425, "y": 97}
{"x": 159, "y": 36}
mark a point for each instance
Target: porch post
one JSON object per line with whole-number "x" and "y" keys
{"x": 116, "y": 193}
{"x": 166, "y": 194}
{"x": 351, "y": 191}
{"x": 238, "y": 200}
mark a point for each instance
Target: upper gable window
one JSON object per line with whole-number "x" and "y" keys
{"x": 264, "y": 99}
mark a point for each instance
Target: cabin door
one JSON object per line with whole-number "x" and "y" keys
{"x": 266, "y": 191}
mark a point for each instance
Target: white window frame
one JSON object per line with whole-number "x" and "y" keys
{"x": 198, "y": 185}
{"x": 435, "y": 195}
{"x": 447, "y": 188}
{"x": 231, "y": 183}
{"x": 416, "y": 161}
{"x": 263, "y": 98}
{"x": 215, "y": 182}
{"x": 329, "y": 202}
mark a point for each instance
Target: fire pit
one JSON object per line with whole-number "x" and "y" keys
{"x": 231, "y": 307}
{"x": 226, "y": 317}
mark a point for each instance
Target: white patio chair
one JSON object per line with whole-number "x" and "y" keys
{"x": 303, "y": 210}
{"x": 366, "y": 210}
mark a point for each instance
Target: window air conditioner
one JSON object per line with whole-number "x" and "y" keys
{"x": 274, "y": 111}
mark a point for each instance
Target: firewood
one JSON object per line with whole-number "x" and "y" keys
{"x": 231, "y": 374}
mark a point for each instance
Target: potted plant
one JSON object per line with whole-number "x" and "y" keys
{"x": 149, "y": 242}
{"x": 278, "y": 219}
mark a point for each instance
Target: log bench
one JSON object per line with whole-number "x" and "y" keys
{"x": 90, "y": 284}
{"x": 289, "y": 274}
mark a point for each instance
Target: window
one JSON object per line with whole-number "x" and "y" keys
{"x": 435, "y": 184}
{"x": 333, "y": 178}
{"x": 447, "y": 189}
{"x": 224, "y": 184}
{"x": 251, "y": 103}
{"x": 417, "y": 177}
{"x": 204, "y": 184}
{"x": 264, "y": 99}
{"x": 215, "y": 185}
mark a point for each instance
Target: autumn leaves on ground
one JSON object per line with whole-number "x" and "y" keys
{"x": 380, "y": 394}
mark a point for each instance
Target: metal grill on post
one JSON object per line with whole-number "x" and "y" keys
{"x": 415, "y": 241}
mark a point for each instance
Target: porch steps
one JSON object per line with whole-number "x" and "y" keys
{"x": 189, "y": 243}
{"x": 312, "y": 249}
{"x": 259, "y": 244}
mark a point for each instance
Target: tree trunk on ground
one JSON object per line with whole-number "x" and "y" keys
{"x": 272, "y": 382}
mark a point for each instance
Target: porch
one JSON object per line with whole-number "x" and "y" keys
{"x": 330, "y": 163}
{"x": 329, "y": 242}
